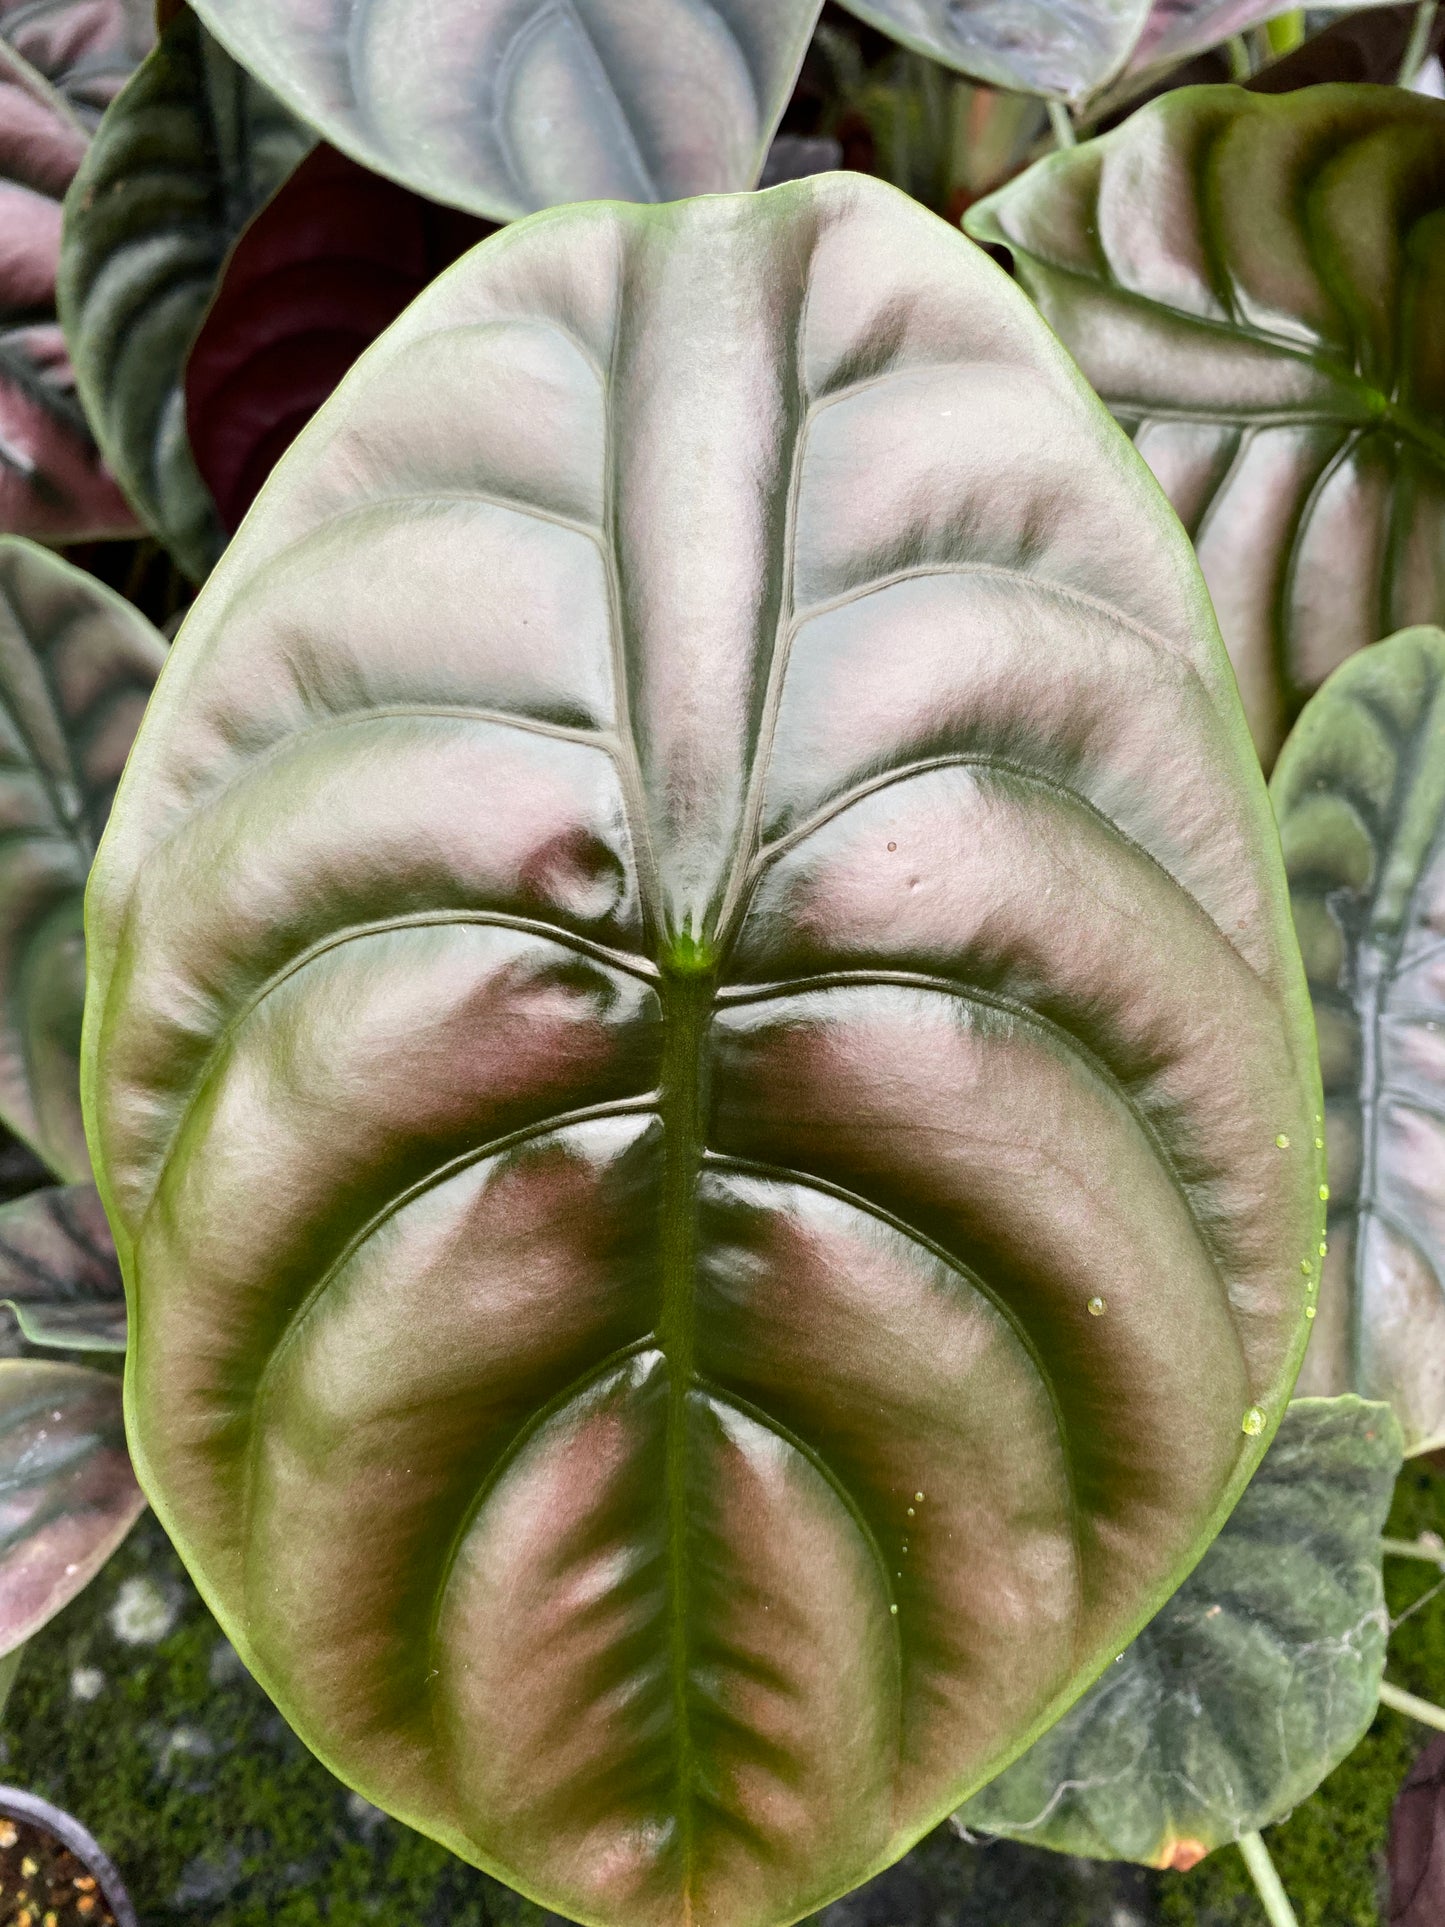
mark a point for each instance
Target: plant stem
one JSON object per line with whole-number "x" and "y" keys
{"x": 1412, "y": 1549}
{"x": 1241, "y": 61}
{"x": 1425, "y": 1711}
{"x": 1062, "y": 123}
{"x": 1271, "y": 1892}
{"x": 1419, "y": 45}
{"x": 9, "y": 1667}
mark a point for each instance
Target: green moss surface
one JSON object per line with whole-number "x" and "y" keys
{"x": 132, "y": 1711}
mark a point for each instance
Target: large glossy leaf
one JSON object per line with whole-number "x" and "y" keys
{"x": 1066, "y": 48}
{"x": 189, "y": 151}
{"x": 1258, "y": 1677}
{"x": 52, "y": 481}
{"x": 326, "y": 266}
{"x": 510, "y": 105}
{"x": 1360, "y": 796}
{"x": 85, "y": 49}
{"x": 76, "y": 667}
{"x": 1252, "y": 284}
{"x": 67, "y": 1493}
{"x": 697, "y": 1110}
{"x": 59, "y": 1275}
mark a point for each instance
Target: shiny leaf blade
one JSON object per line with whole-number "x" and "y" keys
{"x": 1176, "y": 30}
{"x": 186, "y": 155}
{"x": 1260, "y": 1675}
{"x": 326, "y": 266}
{"x": 59, "y": 1275}
{"x": 67, "y": 1493}
{"x": 1251, "y": 283}
{"x": 590, "y": 973}
{"x": 1064, "y": 48}
{"x": 502, "y": 109}
{"x": 1360, "y": 797}
{"x": 77, "y": 664}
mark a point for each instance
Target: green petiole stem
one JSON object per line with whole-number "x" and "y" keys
{"x": 1419, "y": 45}
{"x": 1062, "y": 123}
{"x": 1425, "y": 1711}
{"x": 1267, "y": 1882}
{"x": 1412, "y": 1549}
{"x": 1241, "y": 60}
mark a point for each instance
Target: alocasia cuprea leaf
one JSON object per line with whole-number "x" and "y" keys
{"x": 1178, "y": 29}
{"x": 85, "y": 49}
{"x": 189, "y": 151}
{"x": 59, "y": 1275}
{"x": 697, "y": 1109}
{"x": 504, "y": 106}
{"x": 1253, "y": 284}
{"x": 324, "y": 268}
{"x": 1360, "y": 796}
{"x": 76, "y": 666}
{"x": 67, "y": 1493}
{"x": 1253, "y": 1682}
{"x": 1065, "y": 48}
{"x": 53, "y": 483}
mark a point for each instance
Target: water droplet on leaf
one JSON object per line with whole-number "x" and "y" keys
{"x": 1096, "y": 1308}
{"x": 1252, "y": 1423}
{"x": 1282, "y": 1141}
{"x": 1324, "y": 1194}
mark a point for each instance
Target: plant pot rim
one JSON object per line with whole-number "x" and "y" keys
{"x": 16, "y": 1804}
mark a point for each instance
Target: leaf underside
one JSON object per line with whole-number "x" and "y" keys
{"x": 67, "y": 1493}
{"x": 1255, "y": 1680}
{"x": 324, "y": 268}
{"x": 59, "y": 1275}
{"x": 501, "y": 110}
{"x": 190, "y": 150}
{"x": 1360, "y": 795}
{"x": 654, "y": 957}
{"x": 77, "y": 665}
{"x": 1253, "y": 285}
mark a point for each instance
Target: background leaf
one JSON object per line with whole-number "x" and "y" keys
{"x": 67, "y": 1493}
{"x": 504, "y": 109}
{"x": 1065, "y": 48}
{"x": 324, "y": 268}
{"x": 183, "y": 159}
{"x": 1178, "y": 29}
{"x": 1251, "y": 283}
{"x": 619, "y": 1058}
{"x": 59, "y": 1274}
{"x": 76, "y": 667}
{"x": 52, "y": 481}
{"x": 1417, "y": 1843}
{"x": 85, "y": 49}
{"x": 1253, "y": 1682}
{"x": 1360, "y": 796}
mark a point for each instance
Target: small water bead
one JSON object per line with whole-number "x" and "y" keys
{"x": 1324, "y": 1251}
{"x": 894, "y": 1611}
{"x": 893, "y": 846}
{"x": 1312, "y": 1311}
{"x": 1319, "y": 1144}
{"x": 1097, "y": 1308}
{"x": 918, "y": 1498}
{"x": 1252, "y": 1423}
{"x": 910, "y": 1512}
{"x": 1305, "y": 1267}
{"x": 1324, "y": 1194}
{"x": 1282, "y": 1142}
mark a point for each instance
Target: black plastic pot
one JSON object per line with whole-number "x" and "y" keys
{"x": 28, "y": 1809}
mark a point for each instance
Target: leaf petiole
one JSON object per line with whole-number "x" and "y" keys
{"x": 1432, "y": 1555}
{"x": 1425, "y": 1711}
{"x": 1267, "y": 1882}
{"x": 1062, "y": 122}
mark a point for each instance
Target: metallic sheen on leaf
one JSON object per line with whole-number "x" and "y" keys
{"x": 76, "y": 667}
{"x": 183, "y": 159}
{"x": 504, "y": 106}
{"x": 1360, "y": 796}
{"x": 696, "y": 888}
{"x": 1064, "y": 48}
{"x": 1254, "y": 285}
